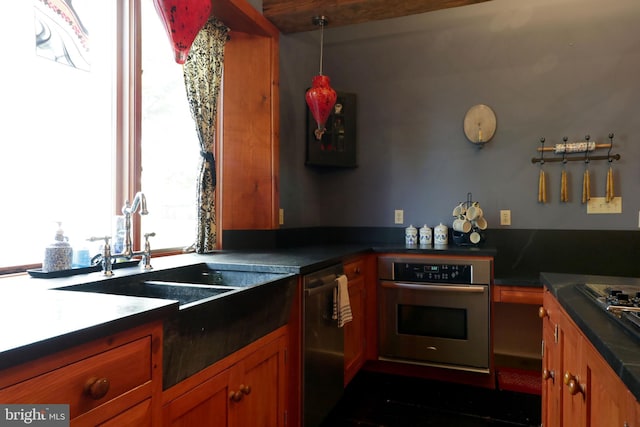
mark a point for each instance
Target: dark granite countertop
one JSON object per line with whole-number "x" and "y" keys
{"x": 617, "y": 347}
{"x": 41, "y": 320}
{"x": 48, "y": 320}
{"x": 38, "y": 322}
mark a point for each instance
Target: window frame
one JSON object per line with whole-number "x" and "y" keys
{"x": 127, "y": 111}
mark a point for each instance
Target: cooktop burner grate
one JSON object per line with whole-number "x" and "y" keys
{"x": 621, "y": 302}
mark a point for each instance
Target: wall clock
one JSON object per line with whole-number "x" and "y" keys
{"x": 480, "y": 124}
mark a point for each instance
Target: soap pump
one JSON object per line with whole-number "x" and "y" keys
{"x": 58, "y": 255}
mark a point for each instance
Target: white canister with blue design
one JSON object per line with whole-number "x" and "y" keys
{"x": 441, "y": 234}
{"x": 411, "y": 236}
{"x": 426, "y": 236}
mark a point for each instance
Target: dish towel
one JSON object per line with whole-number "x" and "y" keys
{"x": 341, "y": 305}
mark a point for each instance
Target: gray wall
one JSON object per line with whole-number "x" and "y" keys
{"x": 549, "y": 68}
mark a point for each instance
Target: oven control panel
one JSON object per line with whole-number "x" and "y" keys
{"x": 433, "y": 273}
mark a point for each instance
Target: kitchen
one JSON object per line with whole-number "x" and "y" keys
{"x": 543, "y": 74}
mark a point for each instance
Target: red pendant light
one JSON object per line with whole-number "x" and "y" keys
{"x": 320, "y": 97}
{"x": 183, "y": 20}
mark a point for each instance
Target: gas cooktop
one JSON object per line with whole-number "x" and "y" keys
{"x": 622, "y": 302}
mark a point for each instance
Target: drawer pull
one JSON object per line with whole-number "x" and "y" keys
{"x": 246, "y": 389}
{"x": 572, "y": 382}
{"x": 542, "y": 313}
{"x": 568, "y": 377}
{"x": 575, "y": 387}
{"x": 96, "y": 388}
{"x": 235, "y": 396}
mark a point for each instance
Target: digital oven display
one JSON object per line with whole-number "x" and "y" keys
{"x": 435, "y": 273}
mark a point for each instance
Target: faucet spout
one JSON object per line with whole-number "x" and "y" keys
{"x": 138, "y": 201}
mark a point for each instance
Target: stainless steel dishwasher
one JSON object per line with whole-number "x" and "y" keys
{"x": 323, "y": 347}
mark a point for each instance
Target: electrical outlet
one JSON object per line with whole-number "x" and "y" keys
{"x": 505, "y": 217}
{"x": 281, "y": 216}
{"x": 399, "y": 216}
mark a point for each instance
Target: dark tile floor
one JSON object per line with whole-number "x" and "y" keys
{"x": 381, "y": 400}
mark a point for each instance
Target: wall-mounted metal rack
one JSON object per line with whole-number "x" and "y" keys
{"x": 570, "y": 151}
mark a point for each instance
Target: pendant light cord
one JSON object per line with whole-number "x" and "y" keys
{"x": 321, "y": 43}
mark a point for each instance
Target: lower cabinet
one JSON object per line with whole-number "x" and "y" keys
{"x": 248, "y": 388}
{"x": 139, "y": 416}
{"x": 579, "y": 387}
{"x": 114, "y": 381}
{"x": 354, "y": 331}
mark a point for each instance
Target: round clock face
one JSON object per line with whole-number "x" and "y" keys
{"x": 480, "y": 124}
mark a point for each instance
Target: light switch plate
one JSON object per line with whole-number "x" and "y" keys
{"x": 399, "y": 216}
{"x": 599, "y": 205}
{"x": 505, "y": 217}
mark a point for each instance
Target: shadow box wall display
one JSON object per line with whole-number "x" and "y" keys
{"x": 337, "y": 144}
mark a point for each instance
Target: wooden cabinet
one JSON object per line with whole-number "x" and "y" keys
{"x": 517, "y": 294}
{"x": 551, "y": 365}
{"x": 606, "y": 397}
{"x": 516, "y": 337}
{"x": 247, "y": 388}
{"x": 107, "y": 382}
{"x": 354, "y": 331}
{"x": 579, "y": 387}
{"x": 248, "y": 125}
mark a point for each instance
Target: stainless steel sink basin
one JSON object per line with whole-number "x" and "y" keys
{"x": 184, "y": 293}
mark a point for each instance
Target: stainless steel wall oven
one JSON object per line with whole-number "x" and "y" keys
{"x": 435, "y": 310}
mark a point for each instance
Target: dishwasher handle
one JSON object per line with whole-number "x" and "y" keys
{"x": 321, "y": 288}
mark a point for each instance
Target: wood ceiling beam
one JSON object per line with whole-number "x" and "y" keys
{"x": 292, "y": 16}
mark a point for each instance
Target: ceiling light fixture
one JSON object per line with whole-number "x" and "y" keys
{"x": 182, "y": 21}
{"x": 320, "y": 97}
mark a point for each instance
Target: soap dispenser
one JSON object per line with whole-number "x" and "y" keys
{"x": 58, "y": 255}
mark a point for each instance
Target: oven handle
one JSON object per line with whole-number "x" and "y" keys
{"x": 469, "y": 289}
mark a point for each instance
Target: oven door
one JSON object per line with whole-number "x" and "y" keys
{"x": 435, "y": 324}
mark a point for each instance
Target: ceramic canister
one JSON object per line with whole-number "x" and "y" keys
{"x": 411, "y": 236}
{"x": 426, "y": 236}
{"x": 441, "y": 234}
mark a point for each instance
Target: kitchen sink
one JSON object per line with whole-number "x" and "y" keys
{"x": 220, "y": 310}
{"x": 184, "y": 293}
{"x": 206, "y": 275}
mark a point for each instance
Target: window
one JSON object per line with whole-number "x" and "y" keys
{"x": 63, "y": 143}
{"x": 170, "y": 149}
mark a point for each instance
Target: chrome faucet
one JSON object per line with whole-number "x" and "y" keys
{"x": 127, "y": 210}
{"x": 127, "y": 253}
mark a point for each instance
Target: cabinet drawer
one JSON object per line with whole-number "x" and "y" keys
{"x": 354, "y": 269}
{"x": 124, "y": 368}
